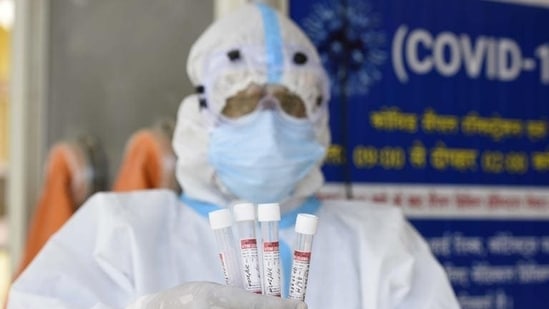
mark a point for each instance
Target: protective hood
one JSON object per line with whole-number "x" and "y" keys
{"x": 253, "y": 44}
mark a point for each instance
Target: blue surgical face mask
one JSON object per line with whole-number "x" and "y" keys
{"x": 262, "y": 157}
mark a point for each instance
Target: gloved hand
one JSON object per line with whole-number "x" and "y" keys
{"x": 205, "y": 295}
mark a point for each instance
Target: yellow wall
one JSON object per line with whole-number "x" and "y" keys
{"x": 4, "y": 75}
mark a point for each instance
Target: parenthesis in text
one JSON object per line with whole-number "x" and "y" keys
{"x": 398, "y": 62}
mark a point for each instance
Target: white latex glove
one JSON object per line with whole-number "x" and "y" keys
{"x": 209, "y": 295}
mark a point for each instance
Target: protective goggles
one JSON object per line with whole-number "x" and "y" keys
{"x": 239, "y": 82}
{"x": 257, "y": 97}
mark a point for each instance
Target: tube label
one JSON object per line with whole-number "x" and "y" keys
{"x": 271, "y": 268}
{"x": 300, "y": 274}
{"x": 250, "y": 265}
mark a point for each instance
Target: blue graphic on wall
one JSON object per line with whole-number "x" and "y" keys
{"x": 350, "y": 43}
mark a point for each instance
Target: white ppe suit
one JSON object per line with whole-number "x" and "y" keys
{"x": 121, "y": 246}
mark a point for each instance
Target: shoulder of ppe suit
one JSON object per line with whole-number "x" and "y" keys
{"x": 143, "y": 207}
{"x": 381, "y": 219}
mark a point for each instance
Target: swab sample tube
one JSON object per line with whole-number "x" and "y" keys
{"x": 244, "y": 216}
{"x": 221, "y": 223}
{"x": 268, "y": 216}
{"x": 305, "y": 228}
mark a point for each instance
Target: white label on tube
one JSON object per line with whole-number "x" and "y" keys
{"x": 300, "y": 273}
{"x": 271, "y": 265}
{"x": 250, "y": 265}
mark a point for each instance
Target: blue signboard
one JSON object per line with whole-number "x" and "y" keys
{"x": 452, "y": 93}
{"x": 430, "y": 91}
{"x": 493, "y": 263}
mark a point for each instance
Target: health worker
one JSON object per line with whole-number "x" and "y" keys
{"x": 256, "y": 130}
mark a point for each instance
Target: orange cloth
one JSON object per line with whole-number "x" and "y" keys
{"x": 148, "y": 163}
{"x": 63, "y": 190}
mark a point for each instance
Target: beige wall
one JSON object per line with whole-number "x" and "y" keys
{"x": 117, "y": 66}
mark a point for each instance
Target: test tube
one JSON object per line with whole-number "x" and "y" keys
{"x": 269, "y": 216}
{"x": 221, "y": 222}
{"x": 244, "y": 216}
{"x": 305, "y": 228}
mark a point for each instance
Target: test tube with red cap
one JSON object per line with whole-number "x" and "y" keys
{"x": 244, "y": 216}
{"x": 221, "y": 224}
{"x": 268, "y": 216}
{"x": 305, "y": 228}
